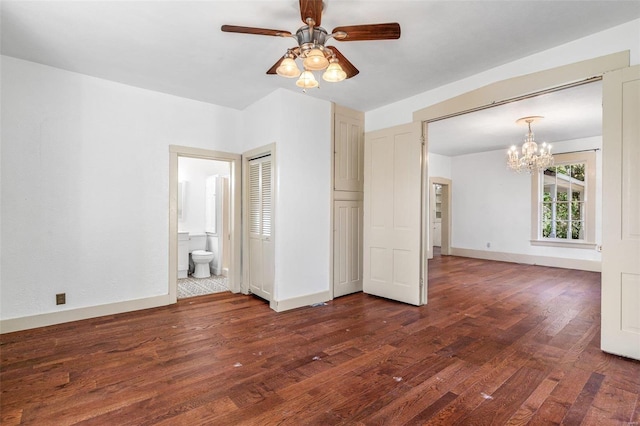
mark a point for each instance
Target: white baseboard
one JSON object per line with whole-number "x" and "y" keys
{"x": 298, "y": 302}
{"x": 555, "y": 262}
{"x": 52, "y": 318}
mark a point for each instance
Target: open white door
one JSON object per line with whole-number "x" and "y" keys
{"x": 393, "y": 199}
{"x": 621, "y": 213}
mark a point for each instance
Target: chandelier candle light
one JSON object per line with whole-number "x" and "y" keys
{"x": 533, "y": 159}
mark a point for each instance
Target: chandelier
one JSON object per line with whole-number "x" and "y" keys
{"x": 532, "y": 159}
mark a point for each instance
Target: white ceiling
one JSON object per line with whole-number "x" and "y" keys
{"x": 177, "y": 47}
{"x": 573, "y": 113}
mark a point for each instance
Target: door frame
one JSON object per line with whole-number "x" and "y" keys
{"x": 445, "y": 249}
{"x": 176, "y": 151}
{"x": 258, "y": 152}
{"x": 523, "y": 87}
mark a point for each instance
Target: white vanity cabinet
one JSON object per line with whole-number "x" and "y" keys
{"x": 183, "y": 254}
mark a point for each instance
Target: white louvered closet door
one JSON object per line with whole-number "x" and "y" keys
{"x": 261, "y": 249}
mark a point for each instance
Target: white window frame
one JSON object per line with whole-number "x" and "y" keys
{"x": 589, "y": 242}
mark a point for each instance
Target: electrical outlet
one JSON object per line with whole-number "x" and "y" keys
{"x": 488, "y": 245}
{"x": 61, "y": 298}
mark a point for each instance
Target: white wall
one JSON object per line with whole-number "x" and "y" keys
{"x": 304, "y": 197}
{"x": 195, "y": 171}
{"x": 492, "y": 204}
{"x": 439, "y": 166}
{"x": 85, "y": 170}
{"x": 301, "y": 128}
{"x": 617, "y": 39}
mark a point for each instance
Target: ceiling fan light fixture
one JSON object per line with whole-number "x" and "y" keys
{"x": 334, "y": 73}
{"x": 288, "y": 68}
{"x": 315, "y": 60}
{"x": 307, "y": 80}
{"x": 311, "y": 46}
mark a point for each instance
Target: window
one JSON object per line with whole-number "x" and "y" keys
{"x": 564, "y": 194}
{"x": 563, "y": 199}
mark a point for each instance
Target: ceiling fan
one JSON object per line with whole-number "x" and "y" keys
{"x": 311, "y": 48}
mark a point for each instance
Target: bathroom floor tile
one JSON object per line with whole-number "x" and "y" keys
{"x": 190, "y": 287}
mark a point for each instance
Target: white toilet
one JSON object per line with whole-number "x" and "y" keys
{"x": 200, "y": 257}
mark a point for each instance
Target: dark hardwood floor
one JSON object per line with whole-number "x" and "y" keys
{"x": 497, "y": 343}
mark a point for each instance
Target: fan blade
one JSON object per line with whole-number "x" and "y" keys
{"x": 347, "y": 66}
{"x": 311, "y": 9}
{"x": 390, "y": 31}
{"x": 256, "y": 31}
{"x": 275, "y": 66}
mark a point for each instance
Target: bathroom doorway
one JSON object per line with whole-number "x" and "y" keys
{"x": 439, "y": 217}
{"x": 204, "y": 214}
{"x": 203, "y": 226}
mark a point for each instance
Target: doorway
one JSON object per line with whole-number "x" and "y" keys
{"x": 233, "y": 234}
{"x": 439, "y": 217}
{"x": 259, "y": 181}
{"x": 203, "y": 226}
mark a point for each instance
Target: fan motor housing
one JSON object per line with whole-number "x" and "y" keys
{"x": 308, "y": 39}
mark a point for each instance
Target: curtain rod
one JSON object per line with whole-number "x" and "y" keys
{"x": 519, "y": 98}
{"x": 574, "y": 152}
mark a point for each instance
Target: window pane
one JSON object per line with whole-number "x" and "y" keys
{"x": 561, "y": 228}
{"x": 577, "y": 230}
{"x": 577, "y": 210}
{"x": 562, "y": 210}
{"x": 547, "y": 230}
{"x": 564, "y": 170}
{"x": 577, "y": 171}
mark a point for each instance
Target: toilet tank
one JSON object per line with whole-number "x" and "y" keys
{"x": 197, "y": 242}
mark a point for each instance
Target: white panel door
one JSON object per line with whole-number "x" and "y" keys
{"x": 621, "y": 213}
{"x": 347, "y": 247}
{"x": 260, "y": 209}
{"x": 348, "y": 135}
{"x": 393, "y": 214}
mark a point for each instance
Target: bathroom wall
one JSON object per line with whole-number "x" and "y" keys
{"x": 194, "y": 171}
{"x": 85, "y": 195}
